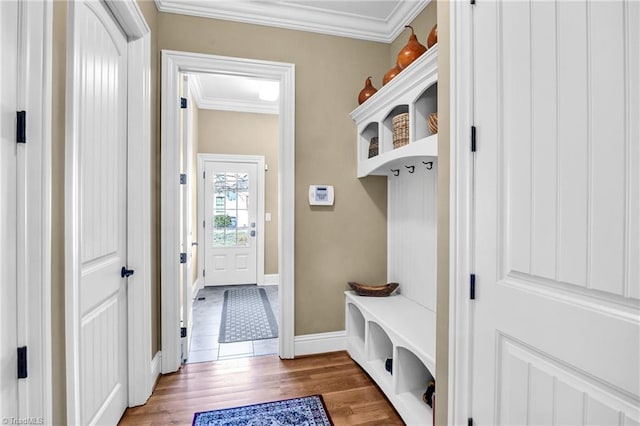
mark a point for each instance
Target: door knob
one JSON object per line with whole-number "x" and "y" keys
{"x": 253, "y": 233}
{"x": 124, "y": 272}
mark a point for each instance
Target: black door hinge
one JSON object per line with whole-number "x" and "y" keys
{"x": 183, "y": 103}
{"x": 183, "y": 179}
{"x": 473, "y": 2}
{"x": 22, "y": 362}
{"x": 21, "y": 127}
{"x": 183, "y": 257}
{"x": 473, "y": 138}
{"x": 472, "y": 286}
{"x": 470, "y": 419}
{"x": 203, "y": 272}
{"x": 183, "y": 331}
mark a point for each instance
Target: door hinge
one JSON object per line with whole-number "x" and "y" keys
{"x": 183, "y": 257}
{"x": 22, "y": 362}
{"x": 472, "y": 286}
{"x": 21, "y": 127}
{"x": 183, "y": 103}
{"x": 204, "y": 174}
{"x": 203, "y": 273}
{"x": 183, "y": 179}
{"x": 470, "y": 419}
{"x": 473, "y": 2}
{"x": 473, "y": 138}
{"x": 183, "y": 331}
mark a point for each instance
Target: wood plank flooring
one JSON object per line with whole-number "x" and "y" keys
{"x": 351, "y": 396}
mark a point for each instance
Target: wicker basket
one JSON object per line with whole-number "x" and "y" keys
{"x": 373, "y": 147}
{"x": 400, "y": 130}
{"x": 432, "y": 122}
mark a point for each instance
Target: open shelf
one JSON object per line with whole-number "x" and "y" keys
{"x": 413, "y": 91}
{"x": 399, "y": 328}
{"x": 356, "y": 327}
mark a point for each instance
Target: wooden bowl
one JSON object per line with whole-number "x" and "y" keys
{"x": 374, "y": 291}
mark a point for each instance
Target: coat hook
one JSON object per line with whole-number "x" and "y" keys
{"x": 395, "y": 172}
{"x": 411, "y": 168}
{"x": 429, "y": 164}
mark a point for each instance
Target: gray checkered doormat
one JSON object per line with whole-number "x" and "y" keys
{"x": 247, "y": 315}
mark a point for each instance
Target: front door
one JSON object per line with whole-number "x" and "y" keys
{"x": 8, "y": 202}
{"x": 231, "y": 205}
{"x": 100, "y": 111}
{"x": 556, "y": 318}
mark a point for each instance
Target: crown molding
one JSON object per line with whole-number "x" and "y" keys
{"x": 228, "y": 104}
{"x": 302, "y": 17}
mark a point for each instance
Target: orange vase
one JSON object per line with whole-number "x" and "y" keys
{"x": 391, "y": 74}
{"x": 367, "y": 92}
{"x": 411, "y": 51}
{"x": 433, "y": 36}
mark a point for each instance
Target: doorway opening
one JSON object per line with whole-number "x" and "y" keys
{"x": 175, "y": 66}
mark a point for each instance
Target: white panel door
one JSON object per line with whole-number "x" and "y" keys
{"x": 231, "y": 207}
{"x": 556, "y": 320}
{"x": 8, "y": 202}
{"x": 102, "y": 146}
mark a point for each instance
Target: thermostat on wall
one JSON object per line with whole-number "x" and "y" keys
{"x": 320, "y": 195}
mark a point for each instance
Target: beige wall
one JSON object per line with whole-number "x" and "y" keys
{"x": 442, "y": 332}
{"x": 422, "y": 25}
{"x": 57, "y": 212}
{"x": 224, "y": 132}
{"x": 333, "y": 245}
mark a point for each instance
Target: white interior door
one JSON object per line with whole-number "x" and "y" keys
{"x": 230, "y": 222}
{"x": 101, "y": 118}
{"x": 556, "y": 332}
{"x": 8, "y": 223}
{"x": 185, "y": 216}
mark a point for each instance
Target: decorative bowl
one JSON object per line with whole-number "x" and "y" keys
{"x": 372, "y": 290}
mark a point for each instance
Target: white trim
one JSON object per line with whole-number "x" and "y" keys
{"x": 140, "y": 382}
{"x": 461, "y": 111}
{"x": 303, "y": 17}
{"x": 309, "y": 344}
{"x": 156, "y": 365}
{"x": 271, "y": 279}
{"x": 257, "y": 106}
{"x": 259, "y": 161}
{"x": 174, "y": 63}
{"x": 34, "y": 207}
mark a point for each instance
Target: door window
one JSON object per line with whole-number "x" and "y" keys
{"x": 231, "y": 210}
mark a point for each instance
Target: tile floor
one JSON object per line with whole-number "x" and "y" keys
{"x": 206, "y": 327}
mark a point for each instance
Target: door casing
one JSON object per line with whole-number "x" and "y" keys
{"x": 173, "y": 64}
{"x": 140, "y": 376}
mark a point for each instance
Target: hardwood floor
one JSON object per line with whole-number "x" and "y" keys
{"x": 350, "y": 395}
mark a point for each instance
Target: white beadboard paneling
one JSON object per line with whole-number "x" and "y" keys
{"x": 538, "y": 390}
{"x": 569, "y": 405}
{"x": 607, "y": 143}
{"x": 543, "y": 140}
{"x": 411, "y": 232}
{"x": 573, "y": 150}
{"x": 517, "y": 132}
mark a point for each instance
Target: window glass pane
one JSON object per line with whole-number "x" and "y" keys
{"x": 231, "y": 215}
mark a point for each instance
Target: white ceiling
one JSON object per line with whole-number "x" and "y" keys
{"x": 376, "y": 20}
{"x": 230, "y": 93}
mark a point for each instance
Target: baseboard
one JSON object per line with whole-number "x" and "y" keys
{"x": 156, "y": 365}
{"x": 271, "y": 279}
{"x": 318, "y": 343}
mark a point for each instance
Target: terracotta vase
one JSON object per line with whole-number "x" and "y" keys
{"x": 411, "y": 51}
{"x": 391, "y": 74}
{"x": 367, "y": 92}
{"x": 433, "y": 36}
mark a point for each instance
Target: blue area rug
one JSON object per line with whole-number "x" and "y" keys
{"x": 247, "y": 315}
{"x": 305, "y": 411}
